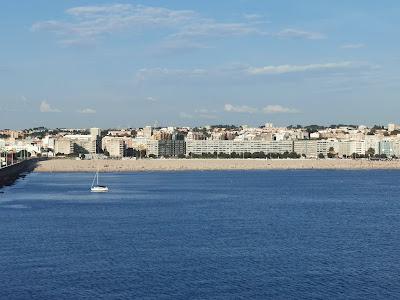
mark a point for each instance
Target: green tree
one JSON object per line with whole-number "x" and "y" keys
{"x": 331, "y": 153}
{"x": 370, "y": 152}
{"x": 321, "y": 156}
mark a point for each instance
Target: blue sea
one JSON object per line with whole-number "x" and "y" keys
{"x": 202, "y": 235}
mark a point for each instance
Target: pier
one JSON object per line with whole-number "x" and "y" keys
{"x": 11, "y": 167}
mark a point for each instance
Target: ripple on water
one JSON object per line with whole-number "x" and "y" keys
{"x": 202, "y": 235}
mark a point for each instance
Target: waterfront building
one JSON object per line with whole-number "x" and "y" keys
{"x": 324, "y": 146}
{"x": 307, "y": 148}
{"x": 313, "y": 148}
{"x": 64, "y": 146}
{"x": 77, "y": 144}
{"x": 348, "y": 148}
{"x": 95, "y": 133}
{"x": 372, "y": 142}
{"x": 48, "y": 142}
{"x": 83, "y": 143}
{"x": 396, "y": 147}
{"x": 386, "y": 147}
{"x": 237, "y": 146}
{"x": 166, "y": 148}
{"x": 115, "y": 148}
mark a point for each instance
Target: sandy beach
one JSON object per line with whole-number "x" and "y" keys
{"x": 70, "y": 165}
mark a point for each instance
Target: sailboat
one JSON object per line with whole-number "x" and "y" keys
{"x": 96, "y": 188}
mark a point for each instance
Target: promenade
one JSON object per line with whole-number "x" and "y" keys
{"x": 70, "y": 165}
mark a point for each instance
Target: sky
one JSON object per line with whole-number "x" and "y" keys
{"x": 70, "y": 63}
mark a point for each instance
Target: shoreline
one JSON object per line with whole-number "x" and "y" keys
{"x": 146, "y": 165}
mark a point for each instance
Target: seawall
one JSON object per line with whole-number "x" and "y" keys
{"x": 11, "y": 173}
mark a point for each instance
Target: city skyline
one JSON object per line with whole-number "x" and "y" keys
{"x": 130, "y": 63}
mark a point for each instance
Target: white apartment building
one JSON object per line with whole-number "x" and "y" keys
{"x": 229, "y": 146}
{"x": 147, "y": 132}
{"x": 372, "y": 141}
{"x": 87, "y": 142}
{"x": 323, "y": 146}
{"x": 95, "y": 132}
{"x": 115, "y": 148}
{"x": 312, "y": 148}
{"x": 393, "y": 127}
{"x": 396, "y": 147}
{"x": 75, "y": 144}
{"x": 306, "y": 147}
{"x": 64, "y": 146}
{"x": 48, "y": 142}
{"x": 347, "y": 148}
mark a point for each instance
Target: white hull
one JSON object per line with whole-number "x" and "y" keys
{"x": 99, "y": 189}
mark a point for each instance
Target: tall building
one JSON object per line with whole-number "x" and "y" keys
{"x": 63, "y": 146}
{"x": 147, "y": 132}
{"x": 116, "y": 146}
{"x": 392, "y": 127}
{"x": 75, "y": 144}
{"x": 95, "y": 133}
{"x": 166, "y": 148}
{"x": 306, "y": 147}
{"x": 349, "y": 147}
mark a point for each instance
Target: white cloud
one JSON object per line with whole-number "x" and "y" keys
{"x": 240, "y": 108}
{"x": 87, "y": 111}
{"x": 174, "y": 45}
{"x": 84, "y": 25}
{"x": 352, "y": 46}
{"x": 283, "y": 69}
{"x": 296, "y": 33}
{"x": 204, "y": 111}
{"x": 252, "y": 17}
{"x": 46, "y": 108}
{"x": 199, "y": 114}
{"x": 269, "y": 109}
{"x": 184, "y": 115}
{"x": 90, "y": 11}
{"x": 276, "y": 109}
{"x": 211, "y": 28}
{"x": 243, "y": 71}
{"x": 91, "y": 22}
{"x": 151, "y": 99}
{"x": 147, "y": 73}
{"x": 208, "y": 116}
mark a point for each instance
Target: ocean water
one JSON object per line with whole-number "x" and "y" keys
{"x": 202, "y": 235}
